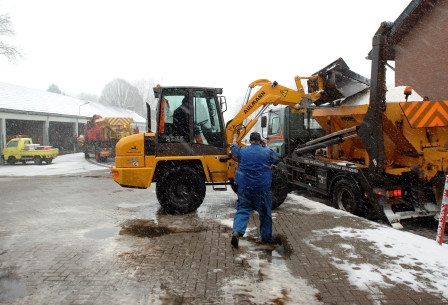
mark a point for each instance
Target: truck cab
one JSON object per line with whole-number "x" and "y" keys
{"x": 286, "y": 128}
{"x": 23, "y": 150}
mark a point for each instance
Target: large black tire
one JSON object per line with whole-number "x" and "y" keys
{"x": 48, "y": 160}
{"x": 37, "y": 160}
{"x": 233, "y": 186}
{"x": 347, "y": 196}
{"x": 11, "y": 160}
{"x": 279, "y": 186}
{"x": 180, "y": 190}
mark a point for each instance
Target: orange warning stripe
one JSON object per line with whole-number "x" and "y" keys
{"x": 426, "y": 114}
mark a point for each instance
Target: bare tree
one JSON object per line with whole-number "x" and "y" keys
{"x": 87, "y": 97}
{"x": 12, "y": 53}
{"x": 145, "y": 87}
{"x": 120, "y": 93}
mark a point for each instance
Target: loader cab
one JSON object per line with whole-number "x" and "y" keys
{"x": 189, "y": 121}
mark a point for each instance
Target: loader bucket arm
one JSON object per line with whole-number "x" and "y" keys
{"x": 333, "y": 82}
{"x": 270, "y": 93}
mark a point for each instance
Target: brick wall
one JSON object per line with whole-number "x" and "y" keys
{"x": 421, "y": 58}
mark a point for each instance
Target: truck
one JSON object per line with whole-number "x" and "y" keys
{"x": 23, "y": 150}
{"x": 386, "y": 159}
{"x": 102, "y": 134}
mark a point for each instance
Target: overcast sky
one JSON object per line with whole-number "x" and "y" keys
{"x": 82, "y": 45}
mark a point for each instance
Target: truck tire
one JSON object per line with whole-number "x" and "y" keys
{"x": 279, "y": 186}
{"x": 48, "y": 160}
{"x": 233, "y": 186}
{"x": 37, "y": 160}
{"x": 11, "y": 160}
{"x": 180, "y": 190}
{"x": 347, "y": 196}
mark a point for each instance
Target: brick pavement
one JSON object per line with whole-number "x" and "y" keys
{"x": 98, "y": 243}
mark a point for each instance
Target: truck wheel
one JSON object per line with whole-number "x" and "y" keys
{"x": 180, "y": 190}
{"x": 11, "y": 160}
{"x": 37, "y": 160}
{"x": 48, "y": 160}
{"x": 279, "y": 186}
{"x": 23, "y": 162}
{"x": 347, "y": 197}
{"x": 233, "y": 186}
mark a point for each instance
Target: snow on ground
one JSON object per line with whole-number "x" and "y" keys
{"x": 63, "y": 165}
{"x": 416, "y": 262}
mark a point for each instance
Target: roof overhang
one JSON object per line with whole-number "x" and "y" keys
{"x": 404, "y": 24}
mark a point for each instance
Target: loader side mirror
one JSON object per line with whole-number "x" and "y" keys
{"x": 222, "y": 103}
{"x": 157, "y": 91}
{"x": 264, "y": 121}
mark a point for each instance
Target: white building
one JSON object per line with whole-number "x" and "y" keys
{"x": 50, "y": 118}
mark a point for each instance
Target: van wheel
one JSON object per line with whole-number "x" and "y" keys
{"x": 37, "y": 160}
{"x": 11, "y": 160}
{"x": 347, "y": 196}
{"x": 180, "y": 190}
{"x": 279, "y": 186}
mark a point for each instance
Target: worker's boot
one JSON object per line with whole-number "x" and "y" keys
{"x": 235, "y": 237}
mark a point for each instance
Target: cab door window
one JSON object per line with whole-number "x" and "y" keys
{"x": 207, "y": 125}
{"x": 174, "y": 116}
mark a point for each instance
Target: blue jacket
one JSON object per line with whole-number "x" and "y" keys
{"x": 254, "y": 166}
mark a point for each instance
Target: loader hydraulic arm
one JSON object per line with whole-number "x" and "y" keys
{"x": 270, "y": 93}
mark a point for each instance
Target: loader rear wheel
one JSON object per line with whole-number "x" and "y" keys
{"x": 279, "y": 186}
{"x": 11, "y": 160}
{"x": 180, "y": 190}
{"x": 37, "y": 160}
{"x": 347, "y": 196}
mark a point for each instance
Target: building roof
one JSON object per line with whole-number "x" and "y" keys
{"x": 19, "y": 99}
{"x": 408, "y": 19}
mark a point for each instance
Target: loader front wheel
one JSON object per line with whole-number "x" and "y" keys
{"x": 347, "y": 196}
{"x": 180, "y": 190}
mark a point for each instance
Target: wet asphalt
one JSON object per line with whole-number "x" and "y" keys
{"x": 83, "y": 239}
